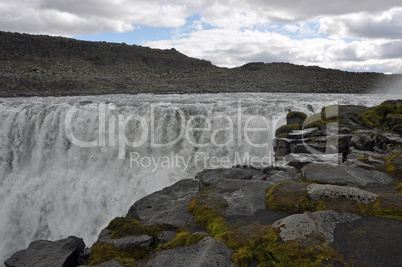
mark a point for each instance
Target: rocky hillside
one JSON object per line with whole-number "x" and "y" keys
{"x": 318, "y": 209}
{"x": 43, "y": 65}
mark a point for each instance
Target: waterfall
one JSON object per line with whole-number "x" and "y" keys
{"x": 69, "y": 165}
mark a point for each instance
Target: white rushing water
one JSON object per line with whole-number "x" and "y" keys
{"x": 53, "y": 186}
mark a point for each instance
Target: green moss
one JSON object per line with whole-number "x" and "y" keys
{"x": 184, "y": 239}
{"x": 398, "y": 188}
{"x": 101, "y": 252}
{"x": 122, "y": 227}
{"x": 296, "y": 113}
{"x": 263, "y": 244}
{"x": 287, "y": 129}
{"x": 378, "y": 115}
{"x": 385, "y": 206}
{"x": 283, "y": 135}
{"x": 389, "y": 165}
{"x": 289, "y": 197}
{"x": 208, "y": 215}
{"x": 292, "y": 197}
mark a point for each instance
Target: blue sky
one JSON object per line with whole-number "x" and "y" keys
{"x": 362, "y": 35}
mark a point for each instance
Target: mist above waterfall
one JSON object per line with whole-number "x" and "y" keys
{"x": 53, "y": 187}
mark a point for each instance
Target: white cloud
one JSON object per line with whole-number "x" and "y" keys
{"x": 353, "y": 35}
{"x": 74, "y": 17}
{"x": 387, "y": 24}
{"x": 230, "y": 48}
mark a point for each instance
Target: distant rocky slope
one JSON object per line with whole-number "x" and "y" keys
{"x": 302, "y": 212}
{"x": 43, "y": 65}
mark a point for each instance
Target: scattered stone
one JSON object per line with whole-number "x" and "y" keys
{"x": 64, "y": 252}
{"x": 390, "y": 138}
{"x": 364, "y": 139}
{"x": 342, "y": 174}
{"x": 300, "y": 226}
{"x": 320, "y": 191}
{"x": 207, "y": 252}
{"x": 167, "y": 206}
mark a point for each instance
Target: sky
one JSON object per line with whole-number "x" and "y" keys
{"x": 364, "y": 35}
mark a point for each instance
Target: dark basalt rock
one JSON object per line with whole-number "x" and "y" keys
{"x": 207, "y": 175}
{"x": 167, "y": 206}
{"x": 370, "y": 241}
{"x": 64, "y": 252}
{"x": 364, "y": 139}
{"x": 207, "y": 252}
{"x": 341, "y": 174}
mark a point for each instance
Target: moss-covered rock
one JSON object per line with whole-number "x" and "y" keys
{"x": 285, "y": 129}
{"x": 185, "y": 238}
{"x": 122, "y": 227}
{"x": 101, "y": 252}
{"x": 209, "y": 210}
{"x": 380, "y": 116}
{"x": 289, "y": 197}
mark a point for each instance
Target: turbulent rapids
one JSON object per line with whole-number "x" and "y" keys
{"x": 69, "y": 165}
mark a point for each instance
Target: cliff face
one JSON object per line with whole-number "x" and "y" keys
{"x": 44, "y": 65}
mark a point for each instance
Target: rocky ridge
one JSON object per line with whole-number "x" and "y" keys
{"x": 37, "y": 65}
{"x": 283, "y": 215}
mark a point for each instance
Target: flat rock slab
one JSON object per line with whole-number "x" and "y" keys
{"x": 336, "y": 173}
{"x": 207, "y": 252}
{"x": 370, "y": 241}
{"x": 323, "y": 191}
{"x": 125, "y": 243}
{"x": 300, "y": 226}
{"x": 41, "y": 253}
{"x": 302, "y": 159}
{"x": 168, "y": 205}
{"x": 207, "y": 175}
{"x": 244, "y": 197}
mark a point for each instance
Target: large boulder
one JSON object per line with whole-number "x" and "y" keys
{"x": 167, "y": 206}
{"x": 342, "y": 174}
{"x": 324, "y": 191}
{"x": 207, "y": 252}
{"x": 303, "y": 226}
{"x": 64, "y": 252}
